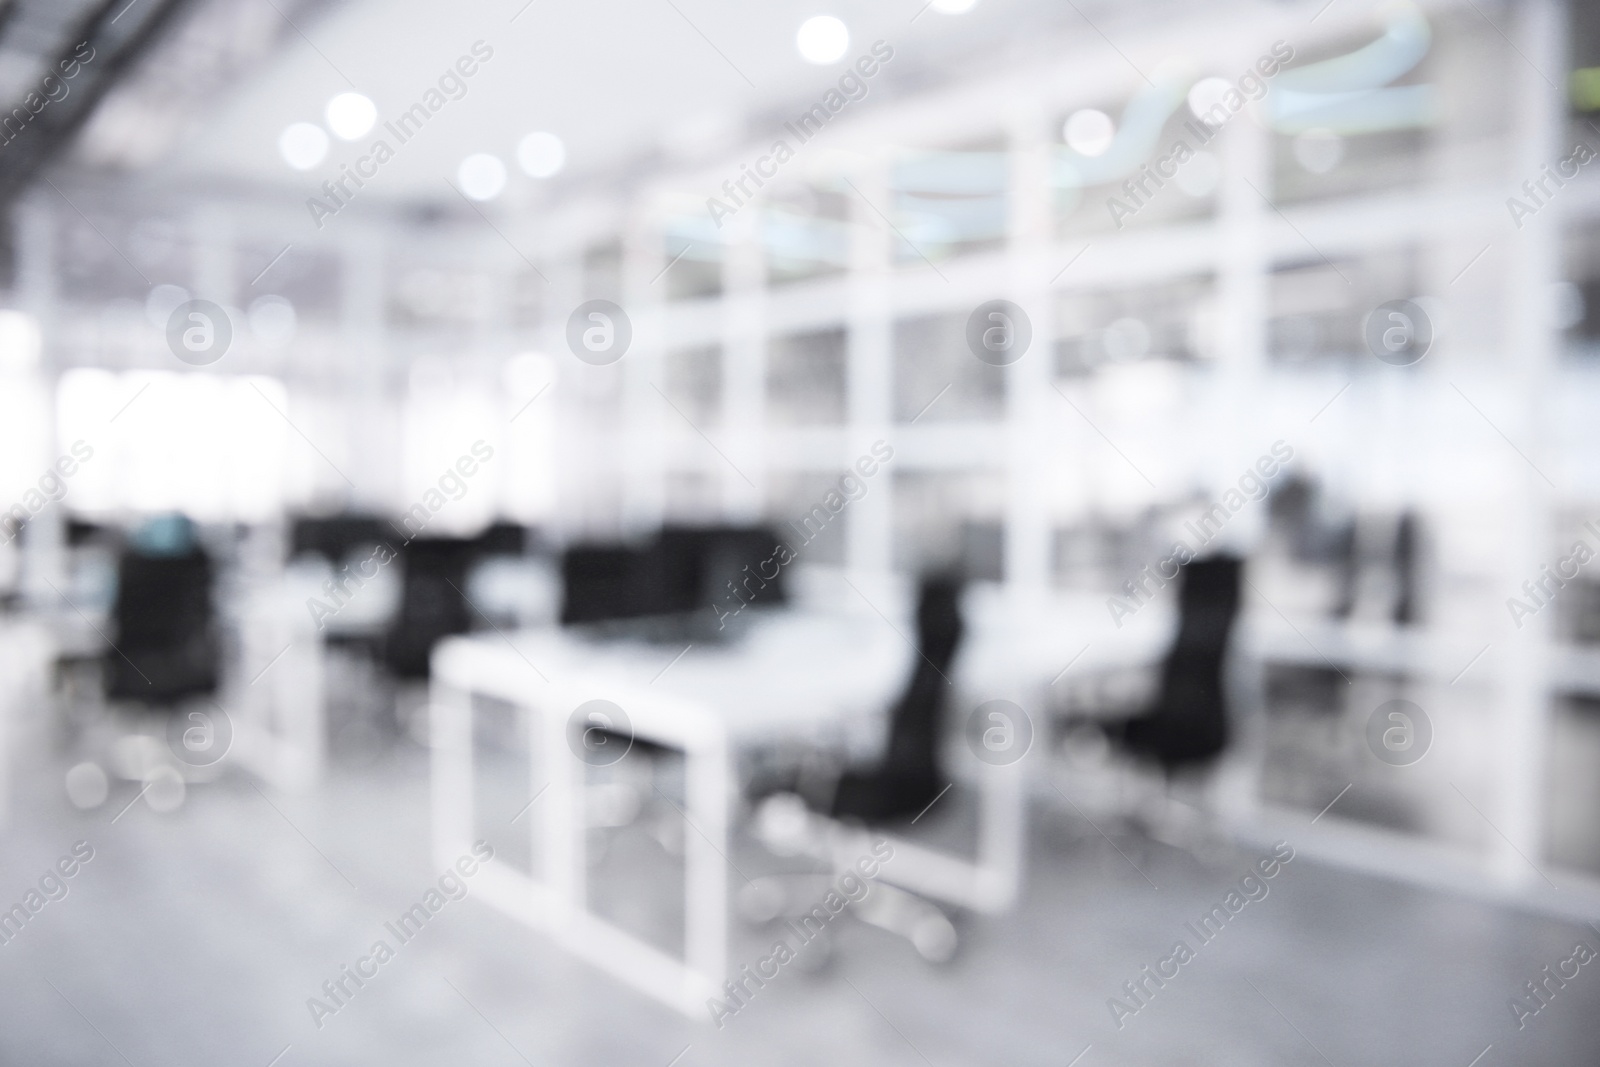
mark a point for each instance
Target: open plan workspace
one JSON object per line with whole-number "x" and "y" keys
{"x": 684, "y": 533}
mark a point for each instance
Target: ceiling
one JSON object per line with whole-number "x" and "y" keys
{"x": 622, "y": 82}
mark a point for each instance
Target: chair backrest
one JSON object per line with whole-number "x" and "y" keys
{"x": 1189, "y": 722}
{"x": 432, "y": 603}
{"x": 166, "y": 644}
{"x": 917, "y": 720}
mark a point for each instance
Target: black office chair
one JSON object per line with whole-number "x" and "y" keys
{"x": 897, "y": 789}
{"x": 909, "y": 775}
{"x": 432, "y": 603}
{"x": 1186, "y": 726}
{"x": 1184, "y": 730}
{"x": 166, "y": 640}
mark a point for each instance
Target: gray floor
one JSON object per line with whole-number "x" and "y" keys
{"x": 196, "y": 937}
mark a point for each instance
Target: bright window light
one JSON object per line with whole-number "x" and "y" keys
{"x": 351, "y": 115}
{"x": 303, "y": 145}
{"x": 210, "y": 446}
{"x": 482, "y": 176}
{"x": 541, "y": 154}
{"x": 822, "y": 39}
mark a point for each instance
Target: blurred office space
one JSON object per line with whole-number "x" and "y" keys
{"x": 677, "y": 532}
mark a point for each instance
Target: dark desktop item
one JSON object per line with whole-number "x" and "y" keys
{"x": 81, "y": 533}
{"x": 501, "y": 539}
{"x": 724, "y": 565}
{"x": 606, "y": 582}
{"x": 677, "y": 580}
{"x": 336, "y": 536}
{"x": 1406, "y": 565}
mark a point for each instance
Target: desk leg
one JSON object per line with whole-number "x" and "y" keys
{"x": 450, "y": 738}
{"x": 707, "y": 777}
{"x": 562, "y": 812}
{"x": 1002, "y": 818}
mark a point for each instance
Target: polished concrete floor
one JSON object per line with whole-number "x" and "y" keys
{"x": 197, "y": 937}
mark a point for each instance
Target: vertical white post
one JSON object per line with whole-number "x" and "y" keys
{"x": 869, "y": 376}
{"x": 1027, "y": 513}
{"x": 744, "y": 370}
{"x": 450, "y": 728}
{"x": 643, "y": 411}
{"x": 1522, "y": 698}
{"x": 561, "y": 806}
{"x": 708, "y": 783}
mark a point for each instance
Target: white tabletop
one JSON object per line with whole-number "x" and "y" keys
{"x": 792, "y": 673}
{"x": 801, "y": 672}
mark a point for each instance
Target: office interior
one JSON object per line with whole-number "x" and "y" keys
{"x": 954, "y": 532}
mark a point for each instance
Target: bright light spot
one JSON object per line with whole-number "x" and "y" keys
{"x": 1319, "y": 151}
{"x": 162, "y": 302}
{"x": 351, "y": 115}
{"x": 1126, "y": 340}
{"x": 87, "y": 786}
{"x": 527, "y": 374}
{"x": 1089, "y": 132}
{"x": 272, "y": 321}
{"x": 541, "y": 154}
{"x": 482, "y": 176}
{"x": 953, "y": 7}
{"x": 303, "y": 145}
{"x": 822, "y": 39}
{"x": 20, "y": 341}
{"x": 1206, "y": 94}
{"x": 164, "y": 790}
{"x": 1198, "y": 176}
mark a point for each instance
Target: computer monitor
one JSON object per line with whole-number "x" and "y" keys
{"x": 335, "y": 536}
{"x": 683, "y": 570}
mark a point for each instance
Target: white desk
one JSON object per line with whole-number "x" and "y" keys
{"x": 797, "y": 673}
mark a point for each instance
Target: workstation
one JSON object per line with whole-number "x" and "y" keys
{"x": 670, "y": 533}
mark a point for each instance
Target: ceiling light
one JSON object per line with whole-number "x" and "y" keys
{"x": 1089, "y": 132}
{"x": 303, "y": 145}
{"x": 482, "y": 176}
{"x": 822, "y": 39}
{"x": 351, "y": 115}
{"x": 541, "y": 154}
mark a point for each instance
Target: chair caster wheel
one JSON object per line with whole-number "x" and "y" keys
{"x": 761, "y": 901}
{"x": 934, "y": 938}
